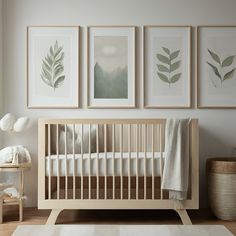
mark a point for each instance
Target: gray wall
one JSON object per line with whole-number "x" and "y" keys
{"x": 217, "y": 127}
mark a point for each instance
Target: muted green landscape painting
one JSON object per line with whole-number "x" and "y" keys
{"x": 111, "y": 67}
{"x": 53, "y": 68}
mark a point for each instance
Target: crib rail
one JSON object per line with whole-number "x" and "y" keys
{"x": 107, "y": 164}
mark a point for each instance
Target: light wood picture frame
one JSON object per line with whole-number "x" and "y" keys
{"x": 53, "y": 66}
{"x": 167, "y": 66}
{"x": 216, "y": 66}
{"x": 111, "y": 66}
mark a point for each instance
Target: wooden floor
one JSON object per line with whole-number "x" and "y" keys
{"x": 32, "y": 216}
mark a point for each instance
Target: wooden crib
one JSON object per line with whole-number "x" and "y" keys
{"x": 108, "y": 164}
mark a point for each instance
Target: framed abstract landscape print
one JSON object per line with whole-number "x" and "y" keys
{"x": 216, "y": 72}
{"x": 167, "y": 66}
{"x": 111, "y": 66}
{"x": 52, "y": 67}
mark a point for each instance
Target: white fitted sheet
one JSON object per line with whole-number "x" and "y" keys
{"x": 52, "y": 161}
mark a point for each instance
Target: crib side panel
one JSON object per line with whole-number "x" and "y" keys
{"x": 125, "y": 140}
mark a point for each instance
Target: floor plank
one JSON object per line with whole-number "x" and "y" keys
{"x": 33, "y": 216}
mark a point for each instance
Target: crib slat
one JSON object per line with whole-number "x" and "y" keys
{"x": 105, "y": 164}
{"x": 73, "y": 143}
{"x": 121, "y": 161}
{"x": 145, "y": 161}
{"x": 137, "y": 156}
{"x": 81, "y": 164}
{"x": 161, "y": 156}
{"x": 89, "y": 187}
{"x": 49, "y": 155}
{"x": 66, "y": 165}
{"x": 153, "y": 179}
{"x": 97, "y": 149}
{"x": 58, "y": 163}
{"x": 129, "y": 150}
{"x": 113, "y": 161}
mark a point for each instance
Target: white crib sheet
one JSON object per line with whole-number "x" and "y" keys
{"x": 52, "y": 161}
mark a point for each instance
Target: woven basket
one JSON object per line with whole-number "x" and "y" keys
{"x": 221, "y": 175}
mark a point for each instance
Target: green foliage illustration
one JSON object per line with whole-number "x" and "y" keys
{"x": 53, "y": 68}
{"x": 220, "y": 67}
{"x": 167, "y": 66}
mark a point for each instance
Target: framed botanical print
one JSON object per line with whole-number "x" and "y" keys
{"x": 53, "y": 66}
{"x": 111, "y": 66}
{"x": 216, "y": 67}
{"x": 167, "y": 66}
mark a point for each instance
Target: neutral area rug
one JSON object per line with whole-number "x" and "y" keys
{"x": 121, "y": 230}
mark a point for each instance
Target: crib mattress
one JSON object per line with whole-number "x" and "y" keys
{"x": 146, "y": 161}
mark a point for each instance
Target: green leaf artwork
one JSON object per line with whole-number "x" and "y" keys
{"x": 167, "y": 66}
{"x": 53, "y": 68}
{"x": 219, "y": 67}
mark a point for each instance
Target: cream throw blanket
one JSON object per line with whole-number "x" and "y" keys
{"x": 176, "y": 167}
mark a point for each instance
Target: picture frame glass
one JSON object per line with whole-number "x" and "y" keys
{"x": 111, "y": 66}
{"x": 53, "y": 61}
{"x": 216, "y": 66}
{"x": 167, "y": 66}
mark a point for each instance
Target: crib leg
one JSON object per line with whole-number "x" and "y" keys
{"x": 184, "y": 216}
{"x": 53, "y": 216}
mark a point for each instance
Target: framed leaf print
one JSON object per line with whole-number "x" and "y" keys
{"x": 111, "y": 66}
{"x": 216, "y": 72}
{"x": 167, "y": 66}
{"x": 52, "y": 67}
